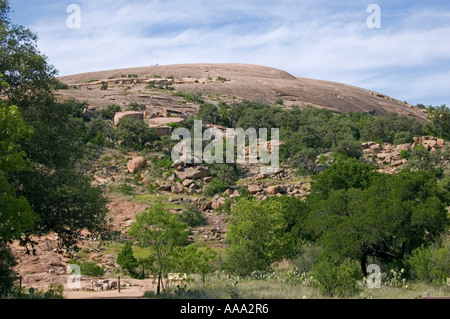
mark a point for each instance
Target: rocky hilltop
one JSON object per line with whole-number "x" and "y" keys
{"x": 227, "y": 82}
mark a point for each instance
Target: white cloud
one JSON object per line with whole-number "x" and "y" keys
{"x": 304, "y": 39}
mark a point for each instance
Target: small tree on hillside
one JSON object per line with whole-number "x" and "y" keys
{"x": 135, "y": 134}
{"x": 126, "y": 259}
{"x": 164, "y": 235}
{"x": 258, "y": 237}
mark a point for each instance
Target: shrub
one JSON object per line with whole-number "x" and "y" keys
{"x": 194, "y": 97}
{"x": 222, "y": 79}
{"x": 110, "y": 111}
{"x": 279, "y": 101}
{"x": 216, "y": 186}
{"x": 193, "y": 217}
{"x": 135, "y": 134}
{"x": 126, "y": 259}
{"x": 134, "y": 106}
{"x": 307, "y": 255}
{"x": 431, "y": 264}
{"x": 126, "y": 189}
{"x": 104, "y": 86}
{"x": 348, "y": 149}
{"x": 60, "y": 85}
{"x": 209, "y": 113}
{"x": 89, "y": 268}
{"x": 7, "y": 262}
{"x": 336, "y": 280}
{"x": 257, "y": 236}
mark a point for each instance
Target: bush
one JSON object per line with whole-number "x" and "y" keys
{"x": 126, "y": 259}
{"x": 216, "y": 186}
{"x": 110, "y": 111}
{"x": 257, "y": 236}
{"x": 348, "y": 149}
{"x": 194, "y": 97}
{"x": 7, "y": 262}
{"x": 279, "y": 101}
{"x": 193, "y": 217}
{"x": 390, "y": 128}
{"x": 133, "y": 106}
{"x": 209, "y": 114}
{"x": 431, "y": 264}
{"x": 126, "y": 189}
{"x": 241, "y": 261}
{"x": 135, "y": 135}
{"x": 228, "y": 173}
{"x": 307, "y": 255}
{"x": 222, "y": 79}
{"x": 336, "y": 280}
{"x": 89, "y": 268}
{"x": 60, "y": 85}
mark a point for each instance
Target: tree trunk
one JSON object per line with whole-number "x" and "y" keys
{"x": 158, "y": 289}
{"x": 363, "y": 265}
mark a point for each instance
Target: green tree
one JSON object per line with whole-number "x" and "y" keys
{"x": 163, "y": 234}
{"x": 430, "y": 264}
{"x": 16, "y": 214}
{"x": 25, "y": 69}
{"x": 126, "y": 259}
{"x": 257, "y": 236}
{"x": 135, "y": 135}
{"x": 439, "y": 121}
{"x": 385, "y": 128}
{"x": 387, "y": 220}
{"x": 66, "y": 203}
{"x": 110, "y": 111}
{"x": 336, "y": 279}
{"x": 134, "y": 106}
{"x": 209, "y": 114}
{"x": 7, "y": 262}
{"x": 56, "y": 192}
{"x": 295, "y": 211}
{"x": 100, "y": 132}
{"x": 348, "y": 149}
{"x": 192, "y": 216}
{"x": 346, "y": 174}
{"x": 193, "y": 260}
{"x": 420, "y": 158}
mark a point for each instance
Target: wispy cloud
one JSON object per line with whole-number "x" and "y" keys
{"x": 408, "y": 58}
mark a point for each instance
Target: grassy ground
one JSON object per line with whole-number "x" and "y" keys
{"x": 220, "y": 288}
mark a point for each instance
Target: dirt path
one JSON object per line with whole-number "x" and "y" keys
{"x": 136, "y": 290}
{"x": 125, "y": 293}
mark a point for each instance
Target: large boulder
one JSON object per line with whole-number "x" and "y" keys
{"x": 177, "y": 189}
{"x": 429, "y": 144}
{"x": 130, "y": 114}
{"x": 403, "y": 147}
{"x": 165, "y": 187}
{"x": 194, "y": 173}
{"x": 136, "y": 164}
{"x": 254, "y": 189}
{"x": 272, "y": 190}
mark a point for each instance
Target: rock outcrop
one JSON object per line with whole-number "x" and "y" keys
{"x": 136, "y": 164}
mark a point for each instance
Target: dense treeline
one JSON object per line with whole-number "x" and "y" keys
{"x": 308, "y": 133}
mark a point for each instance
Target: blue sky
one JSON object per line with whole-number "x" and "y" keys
{"x": 407, "y": 58}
